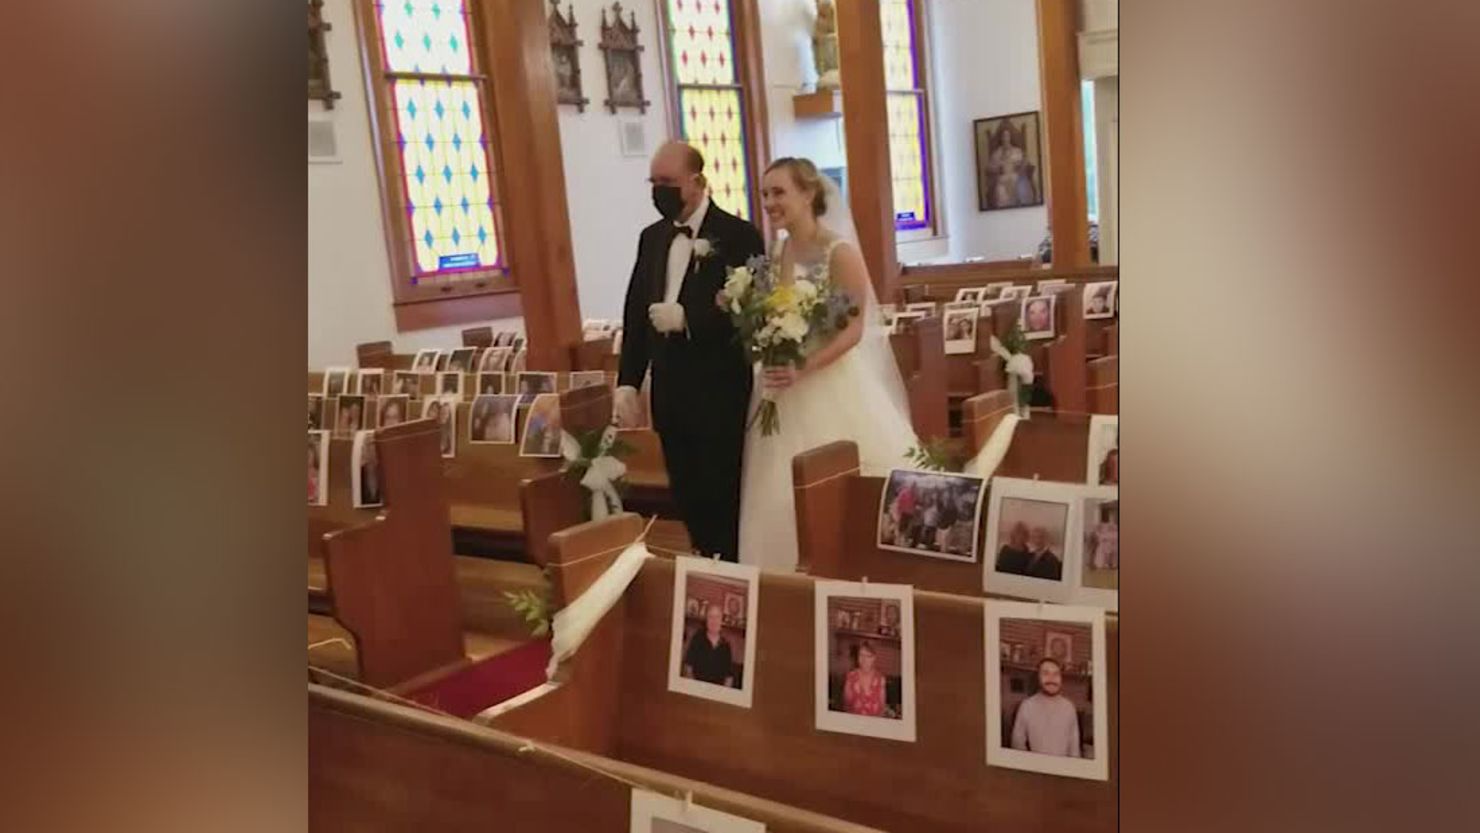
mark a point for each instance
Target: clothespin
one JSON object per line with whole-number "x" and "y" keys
{"x": 688, "y": 801}
{"x": 1035, "y": 475}
{"x": 714, "y": 556}
{"x": 865, "y": 584}
{"x": 527, "y": 747}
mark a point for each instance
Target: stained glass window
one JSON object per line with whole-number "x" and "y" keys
{"x": 708, "y": 96}
{"x": 443, "y": 164}
{"x": 909, "y": 146}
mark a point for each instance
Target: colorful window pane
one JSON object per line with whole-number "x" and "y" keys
{"x": 424, "y": 36}
{"x": 712, "y": 123}
{"x": 700, "y": 39}
{"x": 907, "y": 161}
{"x": 899, "y": 44}
{"x": 445, "y": 159}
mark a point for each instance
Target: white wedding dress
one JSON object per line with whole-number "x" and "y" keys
{"x": 859, "y": 397}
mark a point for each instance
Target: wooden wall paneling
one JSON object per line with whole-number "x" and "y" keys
{"x": 392, "y": 579}
{"x": 1066, "y": 372}
{"x": 939, "y": 783}
{"x": 865, "y": 115}
{"x": 1063, "y": 129}
{"x": 515, "y": 34}
{"x": 378, "y": 767}
{"x": 819, "y": 483}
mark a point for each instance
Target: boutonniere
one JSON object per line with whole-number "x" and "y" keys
{"x": 703, "y": 247}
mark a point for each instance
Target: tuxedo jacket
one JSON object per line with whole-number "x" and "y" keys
{"x": 702, "y": 377}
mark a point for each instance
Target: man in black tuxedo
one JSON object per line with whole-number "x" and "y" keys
{"x": 701, "y": 375}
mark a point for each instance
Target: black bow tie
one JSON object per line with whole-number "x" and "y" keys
{"x": 679, "y": 228}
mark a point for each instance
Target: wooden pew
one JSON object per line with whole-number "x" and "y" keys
{"x": 939, "y": 282}
{"x": 390, "y": 581}
{"x": 1065, "y": 369}
{"x": 920, "y": 351}
{"x": 477, "y": 337}
{"x": 376, "y": 767}
{"x": 611, "y": 699}
{"x": 837, "y": 507}
{"x": 1104, "y": 385}
{"x": 374, "y": 354}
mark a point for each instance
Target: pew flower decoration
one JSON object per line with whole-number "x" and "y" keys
{"x": 593, "y": 460}
{"x": 935, "y": 454}
{"x": 1018, "y": 366}
{"x": 534, "y": 606}
{"x": 779, "y": 321}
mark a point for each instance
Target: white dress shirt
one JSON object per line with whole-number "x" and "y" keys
{"x": 682, "y": 250}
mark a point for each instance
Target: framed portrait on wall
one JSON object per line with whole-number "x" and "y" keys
{"x": 1009, "y": 161}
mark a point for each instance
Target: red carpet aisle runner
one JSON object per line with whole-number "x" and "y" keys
{"x": 488, "y": 682}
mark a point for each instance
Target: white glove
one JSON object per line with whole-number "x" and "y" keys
{"x": 667, "y": 318}
{"x": 628, "y": 409}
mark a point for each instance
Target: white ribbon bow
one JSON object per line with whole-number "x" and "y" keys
{"x": 602, "y": 473}
{"x": 1019, "y": 365}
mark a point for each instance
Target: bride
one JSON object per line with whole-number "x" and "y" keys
{"x": 850, "y": 387}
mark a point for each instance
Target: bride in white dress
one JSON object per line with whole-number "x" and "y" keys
{"x": 850, "y": 388}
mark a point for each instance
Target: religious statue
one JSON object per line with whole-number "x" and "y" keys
{"x": 825, "y": 45}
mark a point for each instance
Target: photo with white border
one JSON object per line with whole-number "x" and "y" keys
{"x": 1099, "y": 299}
{"x": 927, "y": 513}
{"x": 318, "y": 468}
{"x": 1101, "y": 468}
{"x": 1030, "y": 523}
{"x": 657, "y": 813}
{"x": 426, "y": 359}
{"x": 1057, "y": 707}
{"x": 1099, "y": 527}
{"x": 959, "y": 330}
{"x": 703, "y": 588}
{"x": 1037, "y": 317}
{"x": 366, "y": 485}
{"x": 857, "y": 652}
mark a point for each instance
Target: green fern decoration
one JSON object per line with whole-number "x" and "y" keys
{"x": 935, "y": 454}
{"x": 534, "y": 607}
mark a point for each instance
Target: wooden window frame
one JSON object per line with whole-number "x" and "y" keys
{"x": 475, "y": 294}
{"x": 751, "y": 83}
{"x": 921, "y": 42}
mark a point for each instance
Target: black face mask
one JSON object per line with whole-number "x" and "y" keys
{"x": 668, "y": 199}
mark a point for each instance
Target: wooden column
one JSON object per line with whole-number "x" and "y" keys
{"x": 537, "y": 223}
{"x": 865, "y": 121}
{"x": 1058, "y": 65}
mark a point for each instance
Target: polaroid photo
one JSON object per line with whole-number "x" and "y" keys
{"x": 393, "y": 409}
{"x": 443, "y": 409}
{"x": 336, "y": 381}
{"x": 1037, "y": 317}
{"x": 865, "y": 659}
{"x": 529, "y": 384}
{"x": 315, "y": 411}
{"x": 318, "y": 468}
{"x": 370, "y": 382}
{"x": 959, "y": 329}
{"x": 656, "y": 813}
{"x": 518, "y": 362}
{"x": 931, "y": 513}
{"x": 927, "y": 307}
{"x": 503, "y": 338}
{"x": 518, "y": 342}
{"x": 1047, "y": 708}
{"x": 587, "y": 379}
{"x": 1099, "y": 529}
{"x": 406, "y": 383}
{"x": 1102, "y": 466}
{"x": 972, "y": 294}
{"x": 995, "y": 290}
{"x": 712, "y": 649}
{"x": 491, "y": 419}
{"x": 490, "y": 382}
{"x": 1043, "y": 287}
{"x": 495, "y": 360}
{"x": 1013, "y": 292}
{"x": 364, "y": 471}
{"x": 541, "y": 427}
{"x": 1032, "y": 539}
{"x": 1099, "y": 299}
{"x": 349, "y": 415}
{"x": 461, "y": 359}
{"x": 426, "y": 360}
{"x": 450, "y": 382}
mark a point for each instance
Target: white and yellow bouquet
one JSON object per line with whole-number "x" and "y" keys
{"x": 780, "y": 322}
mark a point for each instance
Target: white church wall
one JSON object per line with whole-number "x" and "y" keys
{"x": 349, "y": 290}
{"x": 985, "y": 54}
